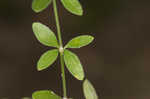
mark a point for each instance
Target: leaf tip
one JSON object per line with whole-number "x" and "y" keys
{"x": 33, "y": 7}
{"x": 81, "y": 78}
{"x": 39, "y": 68}
{"x": 80, "y": 13}
{"x": 35, "y": 10}
{"x": 92, "y": 38}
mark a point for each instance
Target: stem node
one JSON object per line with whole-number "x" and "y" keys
{"x": 61, "y": 49}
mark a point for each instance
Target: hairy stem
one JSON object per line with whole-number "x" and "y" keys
{"x": 61, "y": 53}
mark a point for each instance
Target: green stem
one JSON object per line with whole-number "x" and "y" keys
{"x": 63, "y": 75}
{"x": 57, "y": 22}
{"x": 61, "y": 46}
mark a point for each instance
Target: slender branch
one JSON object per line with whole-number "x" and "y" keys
{"x": 63, "y": 75}
{"x": 61, "y": 50}
{"x": 57, "y": 22}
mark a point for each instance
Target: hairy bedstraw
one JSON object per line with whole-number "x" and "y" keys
{"x": 67, "y": 58}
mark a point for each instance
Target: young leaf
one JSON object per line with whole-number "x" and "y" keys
{"x": 44, "y": 35}
{"x": 79, "y": 41}
{"x": 89, "y": 91}
{"x": 45, "y": 94}
{"x": 73, "y": 64}
{"x": 40, "y": 5}
{"x": 73, "y": 6}
{"x": 47, "y": 59}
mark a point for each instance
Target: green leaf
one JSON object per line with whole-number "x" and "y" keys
{"x": 47, "y": 59}
{"x": 73, "y": 6}
{"x": 25, "y": 98}
{"x": 44, "y": 35}
{"x": 79, "y": 41}
{"x": 73, "y": 64}
{"x": 40, "y": 5}
{"x": 45, "y": 94}
{"x": 89, "y": 91}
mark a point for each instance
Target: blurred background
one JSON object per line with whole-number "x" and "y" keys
{"x": 117, "y": 62}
